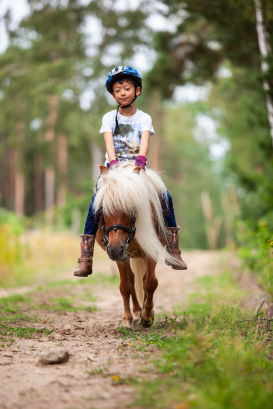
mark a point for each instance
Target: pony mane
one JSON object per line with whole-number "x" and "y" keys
{"x": 122, "y": 190}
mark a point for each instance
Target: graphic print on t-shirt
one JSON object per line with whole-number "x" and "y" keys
{"x": 127, "y": 140}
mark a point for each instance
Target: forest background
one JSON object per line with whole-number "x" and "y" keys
{"x": 203, "y": 86}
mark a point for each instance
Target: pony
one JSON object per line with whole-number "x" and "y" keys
{"x": 133, "y": 233}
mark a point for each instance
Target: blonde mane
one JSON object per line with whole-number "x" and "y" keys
{"x": 122, "y": 190}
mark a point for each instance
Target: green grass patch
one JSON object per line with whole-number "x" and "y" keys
{"x": 208, "y": 355}
{"x": 23, "y": 332}
{"x": 17, "y": 318}
{"x": 14, "y": 322}
{"x": 256, "y": 251}
{"x": 65, "y": 282}
{"x": 88, "y": 297}
{"x": 65, "y": 304}
{"x": 96, "y": 371}
{"x": 106, "y": 279}
{"x": 13, "y": 303}
{"x": 94, "y": 279}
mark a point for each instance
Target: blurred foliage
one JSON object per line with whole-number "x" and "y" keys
{"x": 242, "y": 120}
{"x": 12, "y": 251}
{"x": 26, "y": 254}
{"x": 257, "y": 252}
{"x": 189, "y": 172}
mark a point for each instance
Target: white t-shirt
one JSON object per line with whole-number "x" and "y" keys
{"x": 128, "y": 138}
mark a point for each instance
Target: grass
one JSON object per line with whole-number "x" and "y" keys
{"x": 256, "y": 251}
{"x": 13, "y": 302}
{"x": 207, "y": 356}
{"x": 105, "y": 279}
{"x": 96, "y": 371}
{"x": 58, "y": 252}
{"x": 94, "y": 279}
{"x": 14, "y": 322}
{"x": 65, "y": 304}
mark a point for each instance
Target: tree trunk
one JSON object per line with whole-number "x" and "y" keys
{"x": 38, "y": 184}
{"x": 265, "y": 51}
{"x": 19, "y": 179}
{"x": 7, "y": 178}
{"x": 97, "y": 160}
{"x": 212, "y": 222}
{"x": 156, "y": 141}
{"x": 5, "y": 181}
{"x": 50, "y": 137}
{"x": 62, "y": 165}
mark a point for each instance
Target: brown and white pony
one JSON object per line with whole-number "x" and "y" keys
{"x": 133, "y": 233}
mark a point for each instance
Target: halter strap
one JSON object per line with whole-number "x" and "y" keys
{"x": 118, "y": 227}
{"x": 130, "y": 230}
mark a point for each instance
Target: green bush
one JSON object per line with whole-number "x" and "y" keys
{"x": 11, "y": 254}
{"x": 257, "y": 253}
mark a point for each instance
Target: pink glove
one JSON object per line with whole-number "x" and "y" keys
{"x": 113, "y": 162}
{"x": 141, "y": 161}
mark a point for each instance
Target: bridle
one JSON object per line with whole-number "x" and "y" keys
{"x": 131, "y": 230}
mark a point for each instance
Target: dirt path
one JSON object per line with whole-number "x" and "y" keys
{"x": 98, "y": 354}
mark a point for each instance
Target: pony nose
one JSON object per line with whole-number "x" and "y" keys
{"x": 116, "y": 253}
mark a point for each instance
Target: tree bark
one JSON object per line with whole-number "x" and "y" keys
{"x": 265, "y": 50}
{"x": 38, "y": 184}
{"x": 156, "y": 141}
{"x": 62, "y": 165}
{"x": 50, "y": 137}
{"x": 97, "y": 160}
{"x": 19, "y": 178}
{"x": 212, "y": 222}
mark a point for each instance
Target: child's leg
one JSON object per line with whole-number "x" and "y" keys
{"x": 84, "y": 268}
{"x": 172, "y": 237}
{"x": 168, "y": 210}
{"x": 91, "y": 223}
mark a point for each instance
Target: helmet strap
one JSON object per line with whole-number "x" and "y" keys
{"x": 122, "y": 106}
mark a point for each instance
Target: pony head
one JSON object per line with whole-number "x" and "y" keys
{"x": 123, "y": 194}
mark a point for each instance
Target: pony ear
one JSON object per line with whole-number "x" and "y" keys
{"x": 103, "y": 170}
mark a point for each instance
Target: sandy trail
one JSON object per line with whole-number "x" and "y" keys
{"x": 97, "y": 351}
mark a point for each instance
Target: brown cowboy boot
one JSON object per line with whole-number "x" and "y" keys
{"x": 173, "y": 249}
{"x": 84, "y": 268}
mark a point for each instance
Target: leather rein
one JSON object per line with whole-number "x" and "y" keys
{"x": 131, "y": 230}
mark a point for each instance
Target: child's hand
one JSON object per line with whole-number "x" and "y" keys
{"x": 137, "y": 169}
{"x": 141, "y": 161}
{"x": 113, "y": 162}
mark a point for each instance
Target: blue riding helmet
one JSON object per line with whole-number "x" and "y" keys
{"x": 121, "y": 72}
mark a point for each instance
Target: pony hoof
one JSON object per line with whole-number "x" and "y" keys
{"x": 136, "y": 322}
{"x": 127, "y": 324}
{"x": 137, "y": 315}
{"x": 147, "y": 323}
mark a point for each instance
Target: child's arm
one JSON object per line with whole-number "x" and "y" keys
{"x": 143, "y": 149}
{"x": 109, "y": 145}
{"x": 141, "y": 159}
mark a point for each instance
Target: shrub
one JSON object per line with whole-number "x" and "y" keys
{"x": 257, "y": 253}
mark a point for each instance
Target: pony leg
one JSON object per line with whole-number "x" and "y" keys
{"x": 136, "y": 306}
{"x": 125, "y": 288}
{"x": 150, "y": 285}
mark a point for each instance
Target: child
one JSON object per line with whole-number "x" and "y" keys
{"x": 126, "y": 132}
